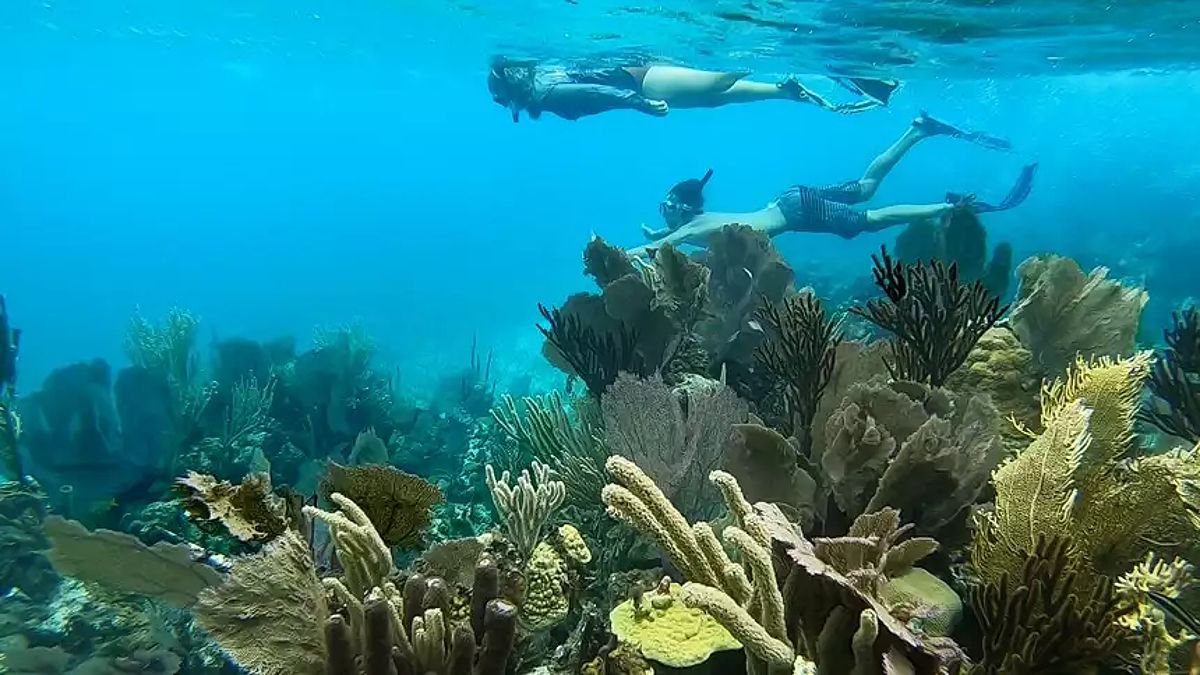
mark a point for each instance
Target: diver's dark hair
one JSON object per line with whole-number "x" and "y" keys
{"x": 690, "y": 192}
{"x": 509, "y": 79}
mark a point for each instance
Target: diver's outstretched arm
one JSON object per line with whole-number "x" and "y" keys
{"x": 572, "y": 101}
{"x": 889, "y": 216}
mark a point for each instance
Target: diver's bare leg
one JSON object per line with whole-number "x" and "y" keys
{"x": 887, "y": 160}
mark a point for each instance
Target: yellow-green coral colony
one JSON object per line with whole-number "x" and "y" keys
{"x": 667, "y": 631}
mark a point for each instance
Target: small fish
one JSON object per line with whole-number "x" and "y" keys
{"x": 1172, "y": 609}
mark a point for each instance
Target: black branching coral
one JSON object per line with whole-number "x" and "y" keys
{"x": 597, "y": 358}
{"x": 800, "y": 353}
{"x": 935, "y": 318}
{"x": 1175, "y": 379}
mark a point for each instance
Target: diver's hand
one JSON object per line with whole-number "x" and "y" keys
{"x": 657, "y": 108}
{"x": 653, "y": 234}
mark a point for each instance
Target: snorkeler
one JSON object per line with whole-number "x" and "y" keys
{"x": 828, "y": 209}
{"x": 573, "y": 93}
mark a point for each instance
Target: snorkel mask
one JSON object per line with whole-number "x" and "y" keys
{"x": 502, "y": 87}
{"x": 684, "y": 201}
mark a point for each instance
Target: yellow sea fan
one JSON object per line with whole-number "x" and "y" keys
{"x": 1112, "y": 388}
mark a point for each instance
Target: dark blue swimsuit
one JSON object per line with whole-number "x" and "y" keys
{"x": 824, "y": 209}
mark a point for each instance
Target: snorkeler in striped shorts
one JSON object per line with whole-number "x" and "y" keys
{"x": 828, "y": 209}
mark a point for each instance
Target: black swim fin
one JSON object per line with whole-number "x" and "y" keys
{"x": 1015, "y": 197}
{"x": 875, "y": 89}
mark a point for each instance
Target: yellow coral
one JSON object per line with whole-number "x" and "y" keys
{"x": 1073, "y": 481}
{"x": 668, "y": 631}
{"x": 546, "y": 602}
{"x": 1001, "y": 367}
{"x": 1145, "y": 618}
{"x": 573, "y": 544}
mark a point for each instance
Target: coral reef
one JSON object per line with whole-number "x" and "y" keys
{"x": 527, "y": 507}
{"x": 1051, "y": 616}
{"x": 168, "y": 572}
{"x": 1143, "y": 616}
{"x": 1075, "y": 480}
{"x": 1061, "y": 314}
{"x": 268, "y": 612}
{"x": 1001, "y": 368}
{"x": 23, "y": 568}
{"x": 1175, "y": 380}
{"x": 934, "y": 316}
{"x": 765, "y": 465}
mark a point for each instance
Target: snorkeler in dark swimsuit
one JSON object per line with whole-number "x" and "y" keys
{"x": 573, "y": 93}
{"x": 828, "y": 209}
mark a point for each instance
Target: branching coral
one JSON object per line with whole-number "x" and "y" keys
{"x": 1052, "y": 616}
{"x": 715, "y": 583}
{"x": 1061, "y": 313}
{"x": 273, "y": 617}
{"x": 596, "y": 358}
{"x": 398, "y": 503}
{"x": 676, "y": 436}
{"x": 527, "y": 507}
{"x": 364, "y": 555}
{"x": 248, "y": 511}
{"x": 547, "y": 433}
{"x": 746, "y": 599}
{"x": 1175, "y": 380}
{"x": 800, "y": 354}
{"x": 936, "y": 318}
{"x": 1145, "y": 618}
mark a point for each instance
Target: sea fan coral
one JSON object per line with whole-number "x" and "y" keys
{"x": 1062, "y": 314}
{"x": 397, "y": 503}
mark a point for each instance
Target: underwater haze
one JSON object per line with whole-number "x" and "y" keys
{"x": 344, "y": 337}
{"x": 276, "y": 166}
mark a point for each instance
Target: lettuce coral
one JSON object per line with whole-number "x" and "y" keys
{"x": 1062, "y": 314}
{"x": 887, "y": 437}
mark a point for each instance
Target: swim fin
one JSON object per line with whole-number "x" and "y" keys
{"x": 875, "y": 89}
{"x": 1015, "y": 197}
{"x": 932, "y": 125}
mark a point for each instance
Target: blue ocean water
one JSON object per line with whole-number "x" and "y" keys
{"x": 278, "y": 166}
